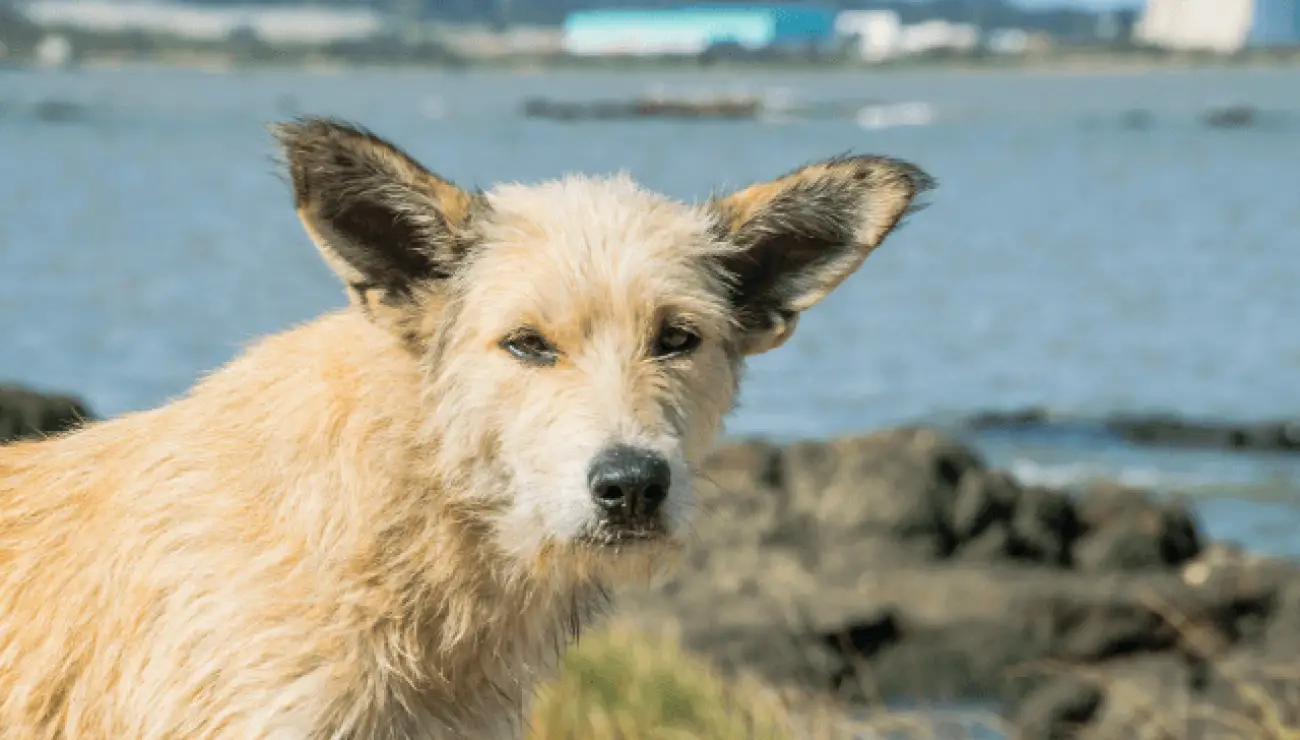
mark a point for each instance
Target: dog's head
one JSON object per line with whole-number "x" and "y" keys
{"x": 583, "y": 338}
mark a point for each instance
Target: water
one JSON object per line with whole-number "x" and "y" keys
{"x": 1067, "y": 259}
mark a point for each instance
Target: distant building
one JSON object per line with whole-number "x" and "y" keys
{"x": 268, "y": 23}
{"x": 876, "y": 34}
{"x": 939, "y": 35}
{"x": 483, "y": 43}
{"x": 1223, "y": 26}
{"x": 880, "y": 35}
{"x": 1008, "y": 41}
{"x": 693, "y": 30}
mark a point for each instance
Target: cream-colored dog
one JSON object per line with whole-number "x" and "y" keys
{"x": 386, "y": 523}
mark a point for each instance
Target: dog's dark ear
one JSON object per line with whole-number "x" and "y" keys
{"x": 383, "y": 222}
{"x": 801, "y": 235}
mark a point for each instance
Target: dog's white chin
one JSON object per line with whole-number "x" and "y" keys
{"x": 630, "y": 563}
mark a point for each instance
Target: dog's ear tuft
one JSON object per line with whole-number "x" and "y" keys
{"x": 381, "y": 221}
{"x": 801, "y": 235}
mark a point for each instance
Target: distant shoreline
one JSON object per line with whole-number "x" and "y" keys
{"x": 1075, "y": 62}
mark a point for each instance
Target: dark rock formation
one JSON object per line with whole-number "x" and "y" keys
{"x": 896, "y": 565}
{"x": 1232, "y": 116}
{"x": 1150, "y": 430}
{"x": 25, "y": 413}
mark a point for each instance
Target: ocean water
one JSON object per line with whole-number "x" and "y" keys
{"x": 1075, "y": 255}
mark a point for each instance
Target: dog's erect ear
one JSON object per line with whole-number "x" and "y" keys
{"x": 383, "y": 222}
{"x": 803, "y": 234}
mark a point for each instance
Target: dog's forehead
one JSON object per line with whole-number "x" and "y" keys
{"x": 610, "y": 219}
{"x": 584, "y": 239}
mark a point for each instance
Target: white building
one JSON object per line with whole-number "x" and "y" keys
{"x": 939, "y": 35}
{"x": 1008, "y": 41}
{"x": 1223, "y": 26}
{"x": 272, "y": 24}
{"x": 1210, "y": 25}
{"x": 880, "y": 35}
{"x": 876, "y": 33}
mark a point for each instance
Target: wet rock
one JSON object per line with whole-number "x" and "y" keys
{"x": 25, "y": 413}
{"x": 1029, "y": 416}
{"x": 1136, "y": 119}
{"x": 1174, "y": 432}
{"x": 1232, "y": 116}
{"x": 60, "y": 111}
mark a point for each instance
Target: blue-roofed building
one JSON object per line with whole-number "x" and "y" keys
{"x": 695, "y": 29}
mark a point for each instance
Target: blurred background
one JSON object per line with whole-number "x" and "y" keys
{"x": 1104, "y": 287}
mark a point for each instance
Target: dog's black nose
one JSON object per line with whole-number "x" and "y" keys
{"x": 629, "y": 481}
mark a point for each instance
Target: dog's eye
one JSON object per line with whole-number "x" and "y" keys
{"x": 674, "y": 341}
{"x": 530, "y": 347}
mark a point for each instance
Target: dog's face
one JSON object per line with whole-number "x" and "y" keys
{"x": 583, "y": 337}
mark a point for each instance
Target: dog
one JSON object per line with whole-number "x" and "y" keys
{"x": 389, "y": 521}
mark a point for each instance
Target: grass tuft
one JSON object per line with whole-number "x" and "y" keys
{"x": 627, "y": 684}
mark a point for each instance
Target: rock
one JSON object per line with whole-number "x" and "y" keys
{"x": 1174, "y": 432}
{"x": 1031, "y": 416}
{"x": 934, "y": 665}
{"x": 898, "y": 483}
{"x": 1126, "y": 544}
{"x": 26, "y": 413}
{"x": 741, "y": 488}
{"x": 1091, "y": 630}
{"x": 1281, "y": 634}
{"x": 1059, "y": 709}
{"x": 60, "y": 111}
{"x": 982, "y": 500}
{"x": 1253, "y": 693}
{"x": 993, "y": 545}
{"x": 896, "y": 566}
{"x": 1232, "y": 116}
{"x": 1136, "y": 119}
{"x": 1127, "y": 529}
{"x": 1044, "y": 526}
{"x": 1143, "y": 697}
{"x": 1161, "y": 430}
{"x": 1181, "y": 540}
{"x": 1103, "y": 503}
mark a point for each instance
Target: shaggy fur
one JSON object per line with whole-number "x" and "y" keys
{"x": 379, "y": 524}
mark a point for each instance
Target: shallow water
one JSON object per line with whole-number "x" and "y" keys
{"x": 1067, "y": 260}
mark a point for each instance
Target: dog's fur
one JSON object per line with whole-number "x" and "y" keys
{"x": 378, "y": 524}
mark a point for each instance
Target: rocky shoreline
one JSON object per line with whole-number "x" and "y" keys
{"x": 898, "y": 564}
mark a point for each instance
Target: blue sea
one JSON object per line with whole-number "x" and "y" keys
{"x": 1093, "y": 247}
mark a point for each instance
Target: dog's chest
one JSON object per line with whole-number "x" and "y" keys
{"x": 479, "y": 689}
